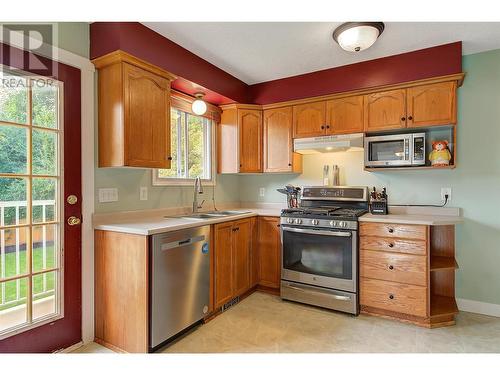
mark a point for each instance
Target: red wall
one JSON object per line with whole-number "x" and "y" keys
{"x": 425, "y": 63}
{"x": 196, "y": 74}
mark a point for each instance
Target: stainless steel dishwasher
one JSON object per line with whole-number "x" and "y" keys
{"x": 180, "y": 281}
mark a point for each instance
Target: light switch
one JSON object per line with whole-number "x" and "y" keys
{"x": 108, "y": 195}
{"x": 143, "y": 193}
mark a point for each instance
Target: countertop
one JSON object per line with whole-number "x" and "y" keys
{"x": 166, "y": 220}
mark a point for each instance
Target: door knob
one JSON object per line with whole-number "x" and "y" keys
{"x": 73, "y": 220}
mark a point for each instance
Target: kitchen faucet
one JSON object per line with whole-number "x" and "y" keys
{"x": 198, "y": 189}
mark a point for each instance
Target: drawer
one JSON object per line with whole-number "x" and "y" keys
{"x": 413, "y": 232}
{"x": 402, "y": 268}
{"x": 396, "y": 297}
{"x": 395, "y": 245}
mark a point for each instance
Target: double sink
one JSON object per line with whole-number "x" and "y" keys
{"x": 210, "y": 215}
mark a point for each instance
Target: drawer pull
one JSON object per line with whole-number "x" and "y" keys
{"x": 391, "y": 267}
{"x": 391, "y": 245}
{"x": 391, "y": 230}
{"x": 391, "y": 296}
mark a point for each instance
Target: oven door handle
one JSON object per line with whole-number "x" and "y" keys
{"x": 320, "y": 232}
{"x": 334, "y": 296}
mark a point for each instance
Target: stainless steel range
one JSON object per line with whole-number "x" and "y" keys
{"x": 320, "y": 247}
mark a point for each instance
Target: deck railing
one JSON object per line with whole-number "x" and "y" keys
{"x": 6, "y": 248}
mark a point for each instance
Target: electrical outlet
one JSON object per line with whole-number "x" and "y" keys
{"x": 143, "y": 193}
{"x": 262, "y": 192}
{"x": 108, "y": 195}
{"x": 446, "y": 191}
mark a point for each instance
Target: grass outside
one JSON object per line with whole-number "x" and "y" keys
{"x": 10, "y": 270}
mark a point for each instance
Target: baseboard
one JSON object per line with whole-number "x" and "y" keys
{"x": 478, "y": 307}
{"x": 70, "y": 348}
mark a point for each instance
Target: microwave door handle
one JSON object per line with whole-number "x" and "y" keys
{"x": 320, "y": 232}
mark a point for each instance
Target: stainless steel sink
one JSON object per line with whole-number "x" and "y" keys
{"x": 209, "y": 215}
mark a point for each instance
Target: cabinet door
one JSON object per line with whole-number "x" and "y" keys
{"x": 309, "y": 120}
{"x": 345, "y": 115}
{"x": 250, "y": 127}
{"x": 269, "y": 252}
{"x": 432, "y": 104}
{"x": 385, "y": 110}
{"x": 242, "y": 243}
{"x": 254, "y": 256}
{"x": 147, "y": 118}
{"x": 223, "y": 263}
{"x": 278, "y": 143}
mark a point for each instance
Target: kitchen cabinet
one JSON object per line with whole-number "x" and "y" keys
{"x": 278, "y": 142}
{"x": 134, "y": 112}
{"x": 240, "y": 139}
{"x": 432, "y": 105}
{"x": 309, "y": 120}
{"x": 232, "y": 260}
{"x": 345, "y": 115}
{"x": 413, "y": 107}
{"x": 254, "y": 268}
{"x": 385, "y": 110}
{"x": 407, "y": 272}
{"x": 269, "y": 252}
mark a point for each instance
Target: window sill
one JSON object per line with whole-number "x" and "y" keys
{"x": 179, "y": 182}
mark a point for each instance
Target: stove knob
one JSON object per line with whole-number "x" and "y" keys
{"x": 333, "y": 223}
{"x": 298, "y": 221}
{"x": 289, "y": 220}
{"x": 315, "y": 221}
{"x": 343, "y": 224}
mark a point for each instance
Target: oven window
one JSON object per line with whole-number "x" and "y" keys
{"x": 318, "y": 254}
{"x": 387, "y": 150}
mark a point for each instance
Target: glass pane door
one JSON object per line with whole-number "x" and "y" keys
{"x": 318, "y": 254}
{"x": 30, "y": 188}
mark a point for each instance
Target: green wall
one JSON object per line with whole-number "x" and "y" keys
{"x": 475, "y": 182}
{"x": 74, "y": 37}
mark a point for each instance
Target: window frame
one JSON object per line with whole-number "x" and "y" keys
{"x": 210, "y": 164}
{"x": 58, "y": 269}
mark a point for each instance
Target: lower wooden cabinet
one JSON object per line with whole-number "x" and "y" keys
{"x": 233, "y": 260}
{"x": 269, "y": 252}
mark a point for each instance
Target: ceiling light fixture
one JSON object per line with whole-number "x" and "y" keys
{"x": 357, "y": 36}
{"x": 199, "y": 106}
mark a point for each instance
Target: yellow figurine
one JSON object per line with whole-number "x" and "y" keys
{"x": 440, "y": 155}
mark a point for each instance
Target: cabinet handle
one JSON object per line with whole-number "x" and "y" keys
{"x": 391, "y": 267}
{"x": 279, "y": 225}
{"x": 169, "y": 158}
{"x": 403, "y": 118}
{"x": 328, "y": 126}
{"x": 391, "y": 296}
{"x": 391, "y": 230}
{"x": 289, "y": 164}
{"x": 391, "y": 245}
{"x": 410, "y": 118}
{"x": 322, "y": 127}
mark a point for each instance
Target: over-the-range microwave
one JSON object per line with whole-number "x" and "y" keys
{"x": 395, "y": 150}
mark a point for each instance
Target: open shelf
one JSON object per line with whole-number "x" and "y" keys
{"x": 443, "y": 263}
{"x": 386, "y": 169}
{"x": 442, "y": 305}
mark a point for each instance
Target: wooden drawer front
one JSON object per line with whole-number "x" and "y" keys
{"x": 403, "y": 268}
{"x": 395, "y": 245}
{"x": 414, "y": 232}
{"x": 406, "y": 299}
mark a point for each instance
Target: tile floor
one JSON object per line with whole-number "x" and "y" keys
{"x": 264, "y": 324}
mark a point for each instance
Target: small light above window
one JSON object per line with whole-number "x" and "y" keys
{"x": 199, "y": 106}
{"x": 357, "y": 36}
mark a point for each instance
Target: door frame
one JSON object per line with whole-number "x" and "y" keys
{"x": 87, "y": 103}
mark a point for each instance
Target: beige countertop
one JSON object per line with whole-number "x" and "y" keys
{"x": 150, "y": 222}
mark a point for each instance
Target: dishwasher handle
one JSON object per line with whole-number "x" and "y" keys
{"x": 185, "y": 242}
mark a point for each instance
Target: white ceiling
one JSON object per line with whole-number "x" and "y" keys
{"x": 257, "y": 52}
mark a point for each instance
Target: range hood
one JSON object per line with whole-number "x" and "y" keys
{"x": 329, "y": 143}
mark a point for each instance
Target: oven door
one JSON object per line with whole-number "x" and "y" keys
{"x": 392, "y": 150}
{"x": 320, "y": 257}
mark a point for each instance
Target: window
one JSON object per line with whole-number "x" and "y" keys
{"x": 191, "y": 150}
{"x": 30, "y": 180}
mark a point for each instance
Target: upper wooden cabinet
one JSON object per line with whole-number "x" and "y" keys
{"x": 309, "y": 120}
{"x": 345, "y": 115}
{"x": 385, "y": 110}
{"x": 431, "y": 105}
{"x": 278, "y": 142}
{"x": 240, "y": 140}
{"x": 134, "y": 112}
